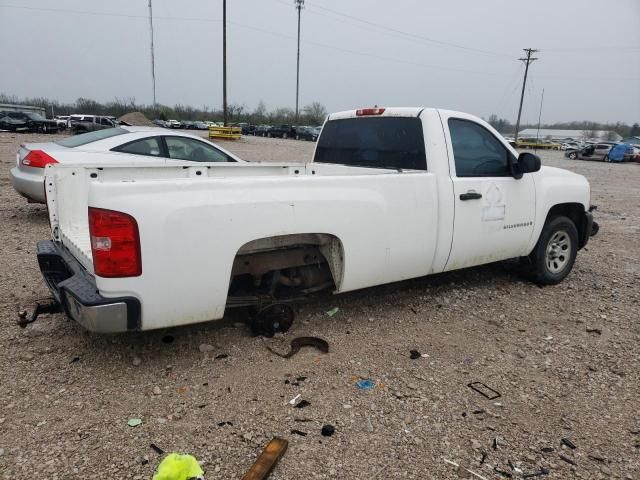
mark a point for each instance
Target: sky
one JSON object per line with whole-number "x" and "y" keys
{"x": 455, "y": 54}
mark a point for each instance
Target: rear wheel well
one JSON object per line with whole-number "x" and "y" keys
{"x": 303, "y": 262}
{"x": 573, "y": 211}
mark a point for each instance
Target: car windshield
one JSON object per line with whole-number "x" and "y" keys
{"x": 85, "y": 138}
{"x": 35, "y": 116}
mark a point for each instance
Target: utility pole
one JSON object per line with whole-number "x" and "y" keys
{"x": 153, "y": 61}
{"x": 527, "y": 61}
{"x": 539, "y": 116}
{"x": 225, "y": 112}
{"x": 299, "y": 6}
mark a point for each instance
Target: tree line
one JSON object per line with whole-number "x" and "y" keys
{"x": 588, "y": 128}
{"x": 312, "y": 114}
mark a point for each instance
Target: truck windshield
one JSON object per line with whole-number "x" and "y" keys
{"x": 84, "y": 138}
{"x": 378, "y": 142}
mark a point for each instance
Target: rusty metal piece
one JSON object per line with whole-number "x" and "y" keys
{"x": 267, "y": 460}
{"x": 299, "y": 342}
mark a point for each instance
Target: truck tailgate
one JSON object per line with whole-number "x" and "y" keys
{"x": 66, "y": 192}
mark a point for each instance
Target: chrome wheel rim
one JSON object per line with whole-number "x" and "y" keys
{"x": 558, "y": 251}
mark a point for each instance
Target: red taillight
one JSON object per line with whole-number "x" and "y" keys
{"x": 369, "y": 111}
{"x": 115, "y": 244}
{"x": 38, "y": 159}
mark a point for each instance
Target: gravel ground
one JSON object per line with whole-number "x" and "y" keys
{"x": 564, "y": 358}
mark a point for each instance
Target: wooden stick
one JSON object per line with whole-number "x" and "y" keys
{"x": 267, "y": 460}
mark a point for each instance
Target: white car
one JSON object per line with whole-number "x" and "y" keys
{"x": 391, "y": 194}
{"x": 123, "y": 144}
{"x": 62, "y": 121}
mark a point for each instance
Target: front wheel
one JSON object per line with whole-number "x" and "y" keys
{"x": 284, "y": 135}
{"x": 573, "y": 155}
{"x": 555, "y": 253}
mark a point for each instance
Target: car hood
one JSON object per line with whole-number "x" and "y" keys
{"x": 564, "y": 177}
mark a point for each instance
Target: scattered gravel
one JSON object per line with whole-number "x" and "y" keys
{"x": 67, "y": 395}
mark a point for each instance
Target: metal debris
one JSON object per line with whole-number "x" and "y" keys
{"x": 157, "y": 449}
{"x": 299, "y": 342}
{"x": 477, "y": 475}
{"x": 487, "y": 392}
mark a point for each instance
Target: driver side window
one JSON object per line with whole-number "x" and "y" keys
{"x": 476, "y": 151}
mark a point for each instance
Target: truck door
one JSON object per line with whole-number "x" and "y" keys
{"x": 494, "y": 212}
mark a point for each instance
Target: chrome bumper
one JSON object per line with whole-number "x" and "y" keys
{"x": 75, "y": 290}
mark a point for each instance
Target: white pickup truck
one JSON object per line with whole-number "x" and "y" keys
{"x": 391, "y": 194}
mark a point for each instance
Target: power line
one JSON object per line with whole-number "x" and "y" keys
{"x": 527, "y": 61}
{"x": 409, "y": 34}
{"x": 365, "y": 54}
{"x": 107, "y": 14}
{"x": 317, "y": 10}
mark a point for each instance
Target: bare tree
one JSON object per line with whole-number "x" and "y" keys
{"x": 315, "y": 113}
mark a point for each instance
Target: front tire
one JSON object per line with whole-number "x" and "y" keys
{"x": 573, "y": 155}
{"x": 555, "y": 253}
{"x": 284, "y": 135}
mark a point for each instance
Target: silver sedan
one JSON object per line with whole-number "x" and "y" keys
{"x": 124, "y": 143}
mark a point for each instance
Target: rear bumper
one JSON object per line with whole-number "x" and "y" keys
{"x": 27, "y": 184}
{"x": 75, "y": 290}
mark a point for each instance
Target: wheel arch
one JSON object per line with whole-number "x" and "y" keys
{"x": 329, "y": 245}
{"x": 575, "y": 212}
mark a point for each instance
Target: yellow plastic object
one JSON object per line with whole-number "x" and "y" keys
{"x": 232, "y": 133}
{"x": 176, "y": 466}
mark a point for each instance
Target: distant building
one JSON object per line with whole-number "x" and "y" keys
{"x": 632, "y": 140}
{"x": 557, "y": 135}
{"x": 6, "y": 107}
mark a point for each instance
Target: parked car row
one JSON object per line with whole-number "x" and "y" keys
{"x": 285, "y": 131}
{"x": 185, "y": 124}
{"x": 606, "y": 152}
{"x": 272, "y": 131}
{"x": 27, "y": 122}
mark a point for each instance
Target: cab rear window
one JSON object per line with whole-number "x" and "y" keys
{"x": 85, "y": 138}
{"x": 377, "y": 142}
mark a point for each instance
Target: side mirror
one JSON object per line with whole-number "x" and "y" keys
{"x": 528, "y": 163}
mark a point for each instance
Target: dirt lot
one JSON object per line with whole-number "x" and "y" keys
{"x": 565, "y": 360}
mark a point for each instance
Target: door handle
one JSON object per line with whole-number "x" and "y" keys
{"x": 470, "y": 196}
